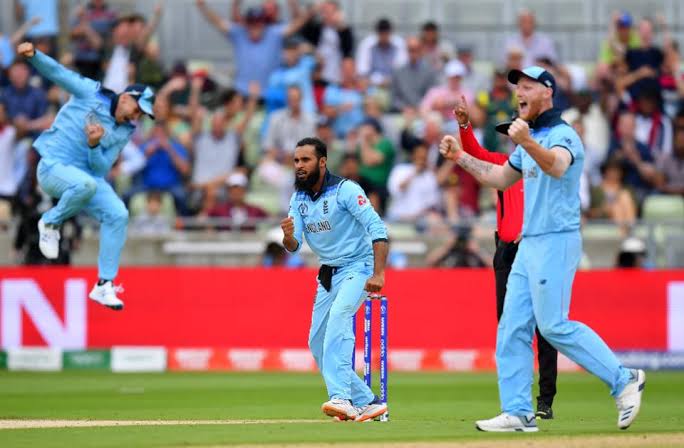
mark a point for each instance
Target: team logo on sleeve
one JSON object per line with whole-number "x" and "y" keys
{"x": 303, "y": 209}
{"x": 361, "y": 200}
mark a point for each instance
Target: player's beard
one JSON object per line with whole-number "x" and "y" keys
{"x": 308, "y": 183}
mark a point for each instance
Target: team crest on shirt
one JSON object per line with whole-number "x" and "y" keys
{"x": 361, "y": 199}
{"x": 531, "y": 173}
{"x": 303, "y": 209}
{"x": 325, "y": 207}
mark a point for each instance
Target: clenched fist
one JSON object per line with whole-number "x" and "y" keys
{"x": 451, "y": 148}
{"x": 94, "y": 132}
{"x": 287, "y": 225}
{"x": 519, "y": 131}
{"x": 26, "y": 49}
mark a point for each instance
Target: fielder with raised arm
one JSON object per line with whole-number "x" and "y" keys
{"x": 77, "y": 152}
{"x": 346, "y": 233}
{"x": 549, "y": 158}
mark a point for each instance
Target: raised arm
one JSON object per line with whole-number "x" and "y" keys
{"x": 217, "y": 21}
{"x": 297, "y": 22}
{"x": 151, "y": 27}
{"x": 70, "y": 81}
{"x": 19, "y": 34}
{"x": 468, "y": 140}
{"x": 497, "y": 176}
{"x": 254, "y": 94}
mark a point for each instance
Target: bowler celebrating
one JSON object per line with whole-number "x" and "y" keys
{"x": 350, "y": 239}
{"x": 77, "y": 152}
{"x": 549, "y": 157}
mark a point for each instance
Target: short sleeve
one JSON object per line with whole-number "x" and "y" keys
{"x": 566, "y": 137}
{"x": 515, "y": 159}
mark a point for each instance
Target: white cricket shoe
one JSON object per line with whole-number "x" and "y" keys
{"x": 49, "y": 240}
{"x": 106, "y": 295}
{"x": 629, "y": 400}
{"x": 370, "y": 412}
{"x": 508, "y": 423}
{"x": 340, "y": 408}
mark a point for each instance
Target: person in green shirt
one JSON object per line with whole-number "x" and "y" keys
{"x": 376, "y": 154}
{"x": 622, "y": 37}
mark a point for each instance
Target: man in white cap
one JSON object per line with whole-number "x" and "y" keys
{"x": 444, "y": 98}
{"x": 77, "y": 152}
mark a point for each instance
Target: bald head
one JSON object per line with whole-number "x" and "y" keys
{"x": 526, "y": 22}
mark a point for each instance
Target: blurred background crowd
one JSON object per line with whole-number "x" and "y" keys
{"x": 219, "y": 155}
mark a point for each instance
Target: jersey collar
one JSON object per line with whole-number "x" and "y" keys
{"x": 547, "y": 119}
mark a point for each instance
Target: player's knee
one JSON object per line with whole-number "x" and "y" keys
{"x": 120, "y": 216}
{"x": 87, "y": 188}
{"x": 550, "y": 330}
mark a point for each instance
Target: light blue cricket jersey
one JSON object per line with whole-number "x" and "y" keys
{"x": 66, "y": 141}
{"x": 551, "y": 205}
{"x": 339, "y": 223}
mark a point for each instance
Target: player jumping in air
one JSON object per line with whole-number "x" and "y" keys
{"x": 77, "y": 152}
{"x": 350, "y": 239}
{"x": 549, "y": 159}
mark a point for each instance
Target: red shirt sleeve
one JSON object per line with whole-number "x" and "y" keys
{"x": 472, "y": 147}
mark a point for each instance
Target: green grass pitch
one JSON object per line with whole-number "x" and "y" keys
{"x": 424, "y": 407}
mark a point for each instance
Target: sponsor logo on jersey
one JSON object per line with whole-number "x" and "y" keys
{"x": 361, "y": 199}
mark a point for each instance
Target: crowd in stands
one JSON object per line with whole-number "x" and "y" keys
{"x": 221, "y": 156}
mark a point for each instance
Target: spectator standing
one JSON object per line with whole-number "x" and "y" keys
{"x": 26, "y": 105}
{"x": 91, "y": 26}
{"x": 444, "y": 98}
{"x": 332, "y": 38}
{"x": 644, "y": 62}
{"x": 380, "y": 54}
{"x": 437, "y": 51}
{"x": 296, "y": 70}
{"x": 411, "y": 82}
{"x": 48, "y": 13}
{"x": 256, "y": 44}
{"x": 217, "y": 150}
{"x": 535, "y": 45}
{"x": 344, "y": 103}
{"x": 288, "y": 126}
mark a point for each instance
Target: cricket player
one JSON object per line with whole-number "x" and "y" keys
{"x": 548, "y": 157}
{"x": 77, "y": 152}
{"x": 350, "y": 239}
{"x": 509, "y": 217}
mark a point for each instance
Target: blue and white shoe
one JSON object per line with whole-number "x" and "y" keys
{"x": 629, "y": 400}
{"x": 508, "y": 423}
